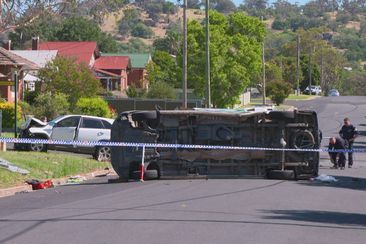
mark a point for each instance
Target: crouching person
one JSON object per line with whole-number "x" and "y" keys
{"x": 336, "y": 143}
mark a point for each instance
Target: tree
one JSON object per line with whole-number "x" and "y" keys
{"x": 134, "y": 45}
{"x": 16, "y": 13}
{"x": 81, "y": 29}
{"x": 50, "y": 105}
{"x": 278, "y": 91}
{"x": 235, "y": 55}
{"x": 172, "y": 72}
{"x": 283, "y": 9}
{"x": 65, "y": 75}
{"x": 130, "y": 18}
{"x": 141, "y": 30}
{"x": 171, "y": 43}
{"x": 161, "y": 89}
{"x": 223, "y": 6}
{"x": 95, "y": 106}
{"x": 45, "y": 26}
{"x": 255, "y": 7}
{"x": 195, "y": 4}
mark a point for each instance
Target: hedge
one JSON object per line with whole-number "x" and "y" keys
{"x": 7, "y": 109}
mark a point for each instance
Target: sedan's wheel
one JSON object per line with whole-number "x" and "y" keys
{"x": 37, "y": 147}
{"x": 103, "y": 154}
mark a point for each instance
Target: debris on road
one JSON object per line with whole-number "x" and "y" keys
{"x": 4, "y": 164}
{"x": 325, "y": 178}
{"x": 77, "y": 179}
{"x": 39, "y": 185}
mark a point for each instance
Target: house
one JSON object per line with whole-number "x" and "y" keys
{"x": 112, "y": 71}
{"x": 11, "y": 63}
{"x": 137, "y": 74}
{"x": 83, "y": 52}
{"x": 40, "y": 58}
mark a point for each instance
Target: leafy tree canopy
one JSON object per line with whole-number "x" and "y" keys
{"x": 235, "y": 55}
{"x": 65, "y": 75}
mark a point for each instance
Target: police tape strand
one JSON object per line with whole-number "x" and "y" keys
{"x": 164, "y": 145}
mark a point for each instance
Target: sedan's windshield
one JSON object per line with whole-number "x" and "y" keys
{"x": 54, "y": 121}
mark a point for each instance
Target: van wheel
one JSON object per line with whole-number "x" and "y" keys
{"x": 303, "y": 140}
{"x": 103, "y": 154}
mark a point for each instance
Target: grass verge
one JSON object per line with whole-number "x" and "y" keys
{"x": 45, "y": 166}
{"x": 300, "y": 97}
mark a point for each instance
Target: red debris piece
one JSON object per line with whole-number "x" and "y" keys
{"x": 38, "y": 185}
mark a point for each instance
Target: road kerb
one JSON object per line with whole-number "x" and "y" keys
{"x": 57, "y": 182}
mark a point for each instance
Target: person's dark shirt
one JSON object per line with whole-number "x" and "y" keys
{"x": 348, "y": 132}
{"x": 339, "y": 144}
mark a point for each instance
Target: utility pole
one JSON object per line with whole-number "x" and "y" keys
{"x": 321, "y": 68}
{"x": 263, "y": 72}
{"x": 310, "y": 70}
{"x": 208, "y": 78}
{"x": 184, "y": 55}
{"x": 298, "y": 66}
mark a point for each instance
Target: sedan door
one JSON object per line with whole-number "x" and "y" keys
{"x": 92, "y": 129}
{"x": 65, "y": 129}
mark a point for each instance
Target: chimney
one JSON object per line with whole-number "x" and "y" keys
{"x": 7, "y": 45}
{"x": 35, "y": 43}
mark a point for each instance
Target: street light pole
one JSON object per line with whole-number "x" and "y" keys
{"x": 208, "y": 80}
{"x": 184, "y": 55}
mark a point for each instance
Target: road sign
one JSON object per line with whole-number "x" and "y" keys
{"x": 6, "y": 83}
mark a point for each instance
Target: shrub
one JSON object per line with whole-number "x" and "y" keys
{"x": 160, "y": 89}
{"x": 93, "y": 106}
{"x": 50, "y": 106}
{"x": 133, "y": 92}
{"x": 141, "y": 30}
{"x": 7, "y": 109}
{"x": 278, "y": 91}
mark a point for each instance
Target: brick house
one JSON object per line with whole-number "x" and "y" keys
{"x": 10, "y": 62}
{"x": 137, "y": 74}
{"x": 112, "y": 71}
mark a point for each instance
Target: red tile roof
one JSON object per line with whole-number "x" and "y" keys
{"x": 111, "y": 62}
{"x": 82, "y": 51}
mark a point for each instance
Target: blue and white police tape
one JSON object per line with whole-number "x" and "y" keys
{"x": 164, "y": 145}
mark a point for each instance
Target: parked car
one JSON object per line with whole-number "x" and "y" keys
{"x": 333, "y": 93}
{"x": 315, "y": 90}
{"x": 69, "y": 127}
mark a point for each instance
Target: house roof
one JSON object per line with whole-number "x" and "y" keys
{"x": 39, "y": 57}
{"x": 138, "y": 60}
{"x": 112, "y": 62}
{"x": 82, "y": 51}
{"x": 9, "y": 58}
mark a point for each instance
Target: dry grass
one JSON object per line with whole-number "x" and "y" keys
{"x": 110, "y": 23}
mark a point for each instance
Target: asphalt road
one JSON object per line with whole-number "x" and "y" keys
{"x": 203, "y": 211}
